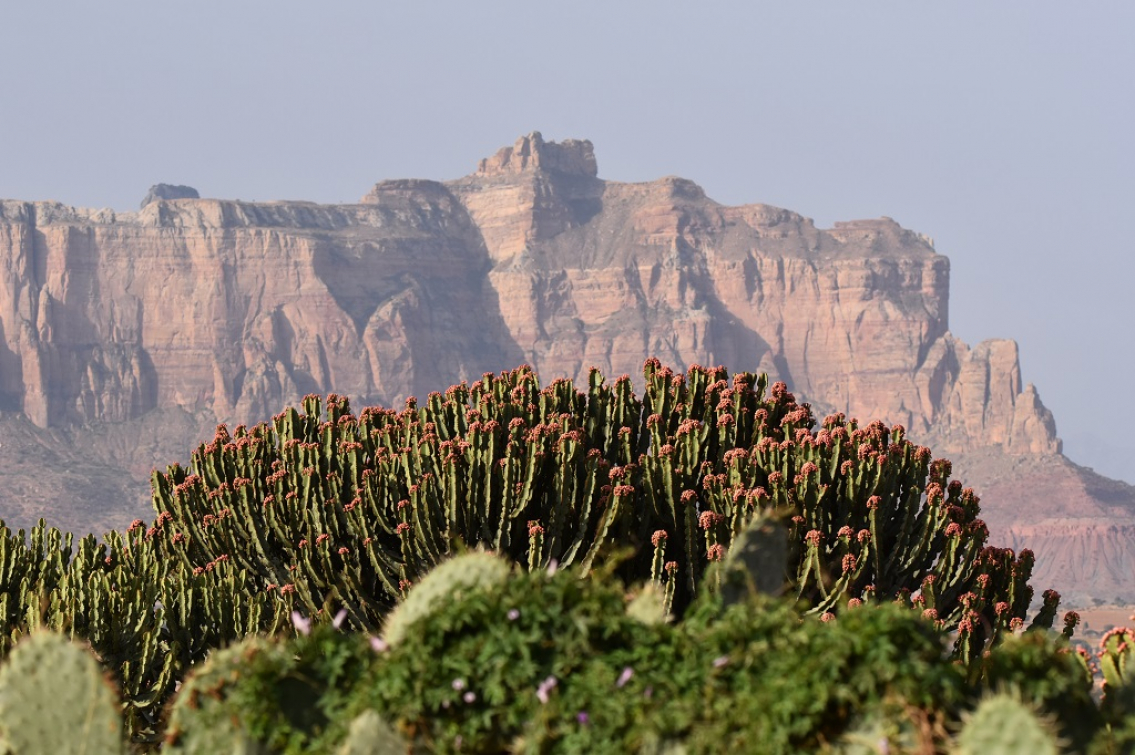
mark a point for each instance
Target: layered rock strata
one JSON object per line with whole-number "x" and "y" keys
{"x": 226, "y": 311}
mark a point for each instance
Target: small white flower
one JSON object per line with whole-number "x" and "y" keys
{"x": 302, "y": 625}
{"x": 545, "y": 687}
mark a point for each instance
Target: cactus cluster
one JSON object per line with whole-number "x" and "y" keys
{"x": 147, "y": 620}
{"x": 346, "y": 509}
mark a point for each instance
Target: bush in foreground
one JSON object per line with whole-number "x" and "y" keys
{"x": 554, "y": 663}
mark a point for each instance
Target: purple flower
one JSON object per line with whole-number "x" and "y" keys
{"x": 337, "y": 622}
{"x": 553, "y": 565}
{"x": 583, "y": 718}
{"x": 545, "y": 687}
{"x": 459, "y": 684}
{"x": 513, "y": 614}
{"x": 378, "y": 645}
{"x": 469, "y": 697}
{"x": 624, "y": 677}
{"x": 720, "y": 661}
{"x": 302, "y": 625}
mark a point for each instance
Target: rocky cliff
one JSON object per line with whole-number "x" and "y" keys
{"x": 209, "y": 310}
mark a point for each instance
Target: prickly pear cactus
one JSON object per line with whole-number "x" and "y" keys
{"x": 649, "y": 606}
{"x": 886, "y": 730}
{"x": 446, "y": 582}
{"x": 200, "y": 723}
{"x": 370, "y": 735}
{"x": 1004, "y": 724}
{"x": 756, "y": 563}
{"x": 54, "y": 698}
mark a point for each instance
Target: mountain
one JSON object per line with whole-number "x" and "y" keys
{"x": 125, "y": 336}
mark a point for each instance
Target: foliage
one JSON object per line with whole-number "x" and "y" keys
{"x": 481, "y": 667}
{"x": 548, "y": 662}
{"x": 274, "y": 696}
{"x": 553, "y": 664}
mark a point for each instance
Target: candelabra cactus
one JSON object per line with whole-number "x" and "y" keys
{"x": 334, "y": 507}
{"x": 147, "y": 617}
{"x": 1117, "y": 648}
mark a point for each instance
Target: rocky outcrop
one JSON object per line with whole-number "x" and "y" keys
{"x": 168, "y": 191}
{"x": 225, "y": 311}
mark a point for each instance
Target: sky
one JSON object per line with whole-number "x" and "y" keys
{"x": 1003, "y": 130}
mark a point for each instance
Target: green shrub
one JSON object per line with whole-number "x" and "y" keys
{"x": 271, "y": 696}
{"x": 474, "y": 670}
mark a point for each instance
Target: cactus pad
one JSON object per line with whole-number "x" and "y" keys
{"x": 54, "y": 699}
{"x": 448, "y": 581}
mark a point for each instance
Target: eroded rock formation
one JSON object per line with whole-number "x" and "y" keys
{"x": 226, "y": 310}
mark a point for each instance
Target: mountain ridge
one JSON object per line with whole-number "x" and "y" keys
{"x": 212, "y": 310}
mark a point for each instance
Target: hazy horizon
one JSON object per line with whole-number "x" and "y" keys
{"x": 1002, "y": 132}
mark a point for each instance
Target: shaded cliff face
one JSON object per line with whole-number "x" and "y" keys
{"x": 237, "y": 308}
{"x": 153, "y": 325}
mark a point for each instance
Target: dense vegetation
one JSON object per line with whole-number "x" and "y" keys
{"x": 701, "y": 499}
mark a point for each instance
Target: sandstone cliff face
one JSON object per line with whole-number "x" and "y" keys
{"x": 589, "y": 272}
{"x": 239, "y": 308}
{"x": 205, "y": 310}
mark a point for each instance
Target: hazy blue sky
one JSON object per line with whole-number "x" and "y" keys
{"x": 1003, "y": 130}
